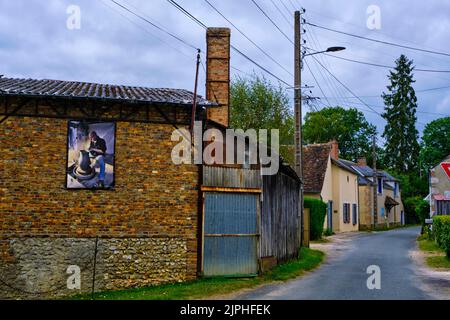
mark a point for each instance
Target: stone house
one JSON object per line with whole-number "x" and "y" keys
{"x": 330, "y": 179}
{"x": 390, "y": 210}
{"x": 439, "y": 197}
{"x": 148, "y": 220}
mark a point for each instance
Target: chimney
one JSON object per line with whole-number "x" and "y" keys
{"x": 218, "y": 73}
{"x": 334, "y": 149}
{"x": 362, "y": 162}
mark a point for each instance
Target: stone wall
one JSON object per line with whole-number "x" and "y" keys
{"x": 150, "y": 215}
{"x": 38, "y": 267}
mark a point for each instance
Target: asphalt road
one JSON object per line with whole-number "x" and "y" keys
{"x": 344, "y": 275}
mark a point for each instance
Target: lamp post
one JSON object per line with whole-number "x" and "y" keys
{"x": 298, "y": 109}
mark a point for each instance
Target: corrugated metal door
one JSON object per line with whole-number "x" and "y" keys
{"x": 230, "y": 234}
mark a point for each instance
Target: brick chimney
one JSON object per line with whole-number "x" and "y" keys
{"x": 218, "y": 73}
{"x": 334, "y": 149}
{"x": 362, "y": 162}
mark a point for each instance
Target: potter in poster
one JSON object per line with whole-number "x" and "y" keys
{"x": 90, "y": 155}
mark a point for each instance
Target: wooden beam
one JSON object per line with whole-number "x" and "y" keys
{"x": 236, "y": 190}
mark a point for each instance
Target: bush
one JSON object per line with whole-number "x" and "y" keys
{"x": 318, "y": 211}
{"x": 416, "y": 210}
{"x": 441, "y": 232}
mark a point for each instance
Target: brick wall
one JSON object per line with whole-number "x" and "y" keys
{"x": 218, "y": 73}
{"x": 154, "y": 203}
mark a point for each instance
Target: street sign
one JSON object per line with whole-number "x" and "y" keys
{"x": 446, "y": 167}
{"x": 429, "y": 221}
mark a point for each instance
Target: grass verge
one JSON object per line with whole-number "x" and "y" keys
{"x": 206, "y": 287}
{"x": 435, "y": 256}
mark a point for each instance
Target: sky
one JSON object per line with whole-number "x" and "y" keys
{"x": 39, "y": 40}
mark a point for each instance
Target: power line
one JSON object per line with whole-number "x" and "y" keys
{"x": 187, "y": 13}
{"x": 382, "y": 65}
{"x": 145, "y": 30}
{"x": 380, "y": 41}
{"x": 273, "y": 22}
{"x": 382, "y": 107}
{"x": 336, "y": 89}
{"x": 154, "y": 25}
{"x": 317, "y": 82}
{"x": 351, "y": 92}
{"x": 379, "y": 96}
{"x": 282, "y": 14}
{"x": 248, "y": 38}
{"x": 346, "y": 88}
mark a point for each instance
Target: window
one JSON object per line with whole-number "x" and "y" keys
{"x": 443, "y": 207}
{"x": 380, "y": 185}
{"x": 355, "y": 214}
{"x": 346, "y": 213}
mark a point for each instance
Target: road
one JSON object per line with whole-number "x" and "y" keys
{"x": 343, "y": 275}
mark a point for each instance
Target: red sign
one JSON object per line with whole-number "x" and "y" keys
{"x": 446, "y": 167}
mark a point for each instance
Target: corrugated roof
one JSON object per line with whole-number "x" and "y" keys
{"x": 85, "y": 90}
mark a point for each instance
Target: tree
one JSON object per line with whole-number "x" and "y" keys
{"x": 348, "y": 126}
{"x": 258, "y": 104}
{"x": 402, "y": 146}
{"x": 435, "y": 142}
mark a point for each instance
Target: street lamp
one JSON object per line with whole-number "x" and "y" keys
{"x": 330, "y": 49}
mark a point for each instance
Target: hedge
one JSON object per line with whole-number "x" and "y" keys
{"x": 441, "y": 232}
{"x": 318, "y": 210}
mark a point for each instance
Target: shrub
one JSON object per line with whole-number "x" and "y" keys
{"x": 441, "y": 232}
{"x": 416, "y": 210}
{"x": 318, "y": 210}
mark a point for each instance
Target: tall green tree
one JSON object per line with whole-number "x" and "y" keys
{"x": 402, "y": 146}
{"x": 435, "y": 142}
{"x": 256, "y": 103}
{"x": 348, "y": 126}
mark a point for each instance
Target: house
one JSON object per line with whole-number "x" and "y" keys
{"x": 89, "y": 189}
{"x": 332, "y": 180}
{"x": 439, "y": 178}
{"x": 389, "y": 206}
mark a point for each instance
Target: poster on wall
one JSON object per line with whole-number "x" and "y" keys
{"x": 90, "y": 155}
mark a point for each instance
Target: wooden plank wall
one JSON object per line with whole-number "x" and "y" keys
{"x": 280, "y": 219}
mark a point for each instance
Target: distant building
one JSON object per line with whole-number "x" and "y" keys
{"x": 330, "y": 179}
{"x": 440, "y": 188}
{"x": 390, "y": 210}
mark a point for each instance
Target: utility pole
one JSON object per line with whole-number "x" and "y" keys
{"x": 298, "y": 114}
{"x": 375, "y": 182}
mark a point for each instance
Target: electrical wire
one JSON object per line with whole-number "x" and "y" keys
{"x": 382, "y": 65}
{"x": 154, "y": 25}
{"x": 273, "y": 22}
{"x": 192, "y": 17}
{"x": 248, "y": 38}
{"x": 380, "y": 41}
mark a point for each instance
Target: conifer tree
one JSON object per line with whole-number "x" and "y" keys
{"x": 402, "y": 146}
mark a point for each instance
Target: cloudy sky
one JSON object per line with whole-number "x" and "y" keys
{"x": 112, "y": 46}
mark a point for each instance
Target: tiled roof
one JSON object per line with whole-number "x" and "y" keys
{"x": 74, "y": 89}
{"x": 315, "y": 160}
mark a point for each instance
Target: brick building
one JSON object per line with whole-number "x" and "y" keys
{"x": 147, "y": 227}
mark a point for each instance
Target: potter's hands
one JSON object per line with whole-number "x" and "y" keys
{"x": 98, "y": 151}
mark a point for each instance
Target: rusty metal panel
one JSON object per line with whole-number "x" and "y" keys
{"x": 231, "y": 177}
{"x": 231, "y": 234}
